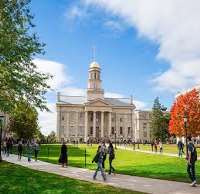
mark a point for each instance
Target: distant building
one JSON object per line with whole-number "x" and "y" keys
{"x": 96, "y": 117}
{"x": 142, "y": 125}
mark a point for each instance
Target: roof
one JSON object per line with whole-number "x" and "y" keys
{"x": 117, "y": 102}
{"x": 82, "y": 100}
{"x": 94, "y": 64}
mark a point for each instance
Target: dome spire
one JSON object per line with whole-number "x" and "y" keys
{"x": 94, "y": 53}
{"x": 94, "y": 64}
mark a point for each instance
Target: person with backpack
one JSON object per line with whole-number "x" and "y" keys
{"x": 99, "y": 160}
{"x": 111, "y": 153}
{"x": 191, "y": 158}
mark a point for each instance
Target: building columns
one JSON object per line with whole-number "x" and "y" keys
{"x": 77, "y": 125}
{"x": 109, "y": 124}
{"x": 86, "y": 126}
{"x": 102, "y": 124}
{"x": 94, "y": 124}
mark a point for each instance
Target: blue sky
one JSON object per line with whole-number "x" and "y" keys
{"x": 133, "y": 51}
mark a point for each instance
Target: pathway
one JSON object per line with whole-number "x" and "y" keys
{"x": 150, "y": 152}
{"x": 141, "y": 184}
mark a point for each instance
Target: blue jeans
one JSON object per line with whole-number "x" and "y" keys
{"x": 191, "y": 171}
{"x": 99, "y": 168}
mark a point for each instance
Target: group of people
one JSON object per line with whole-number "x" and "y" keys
{"x": 155, "y": 144}
{"x": 100, "y": 159}
{"x": 7, "y": 146}
{"x": 29, "y": 148}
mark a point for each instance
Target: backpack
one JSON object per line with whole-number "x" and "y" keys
{"x": 96, "y": 158}
{"x": 194, "y": 154}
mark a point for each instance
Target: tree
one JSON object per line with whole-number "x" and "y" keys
{"x": 159, "y": 121}
{"x": 19, "y": 77}
{"x": 24, "y": 121}
{"x": 189, "y": 104}
{"x": 41, "y": 138}
{"x": 51, "y": 138}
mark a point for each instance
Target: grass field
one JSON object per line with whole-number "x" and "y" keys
{"x": 19, "y": 180}
{"x": 167, "y": 148}
{"x": 126, "y": 162}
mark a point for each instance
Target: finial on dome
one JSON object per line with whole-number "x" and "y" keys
{"x": 93, "y": 53}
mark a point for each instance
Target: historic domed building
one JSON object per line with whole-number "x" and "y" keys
{"x": 96, "y": 117}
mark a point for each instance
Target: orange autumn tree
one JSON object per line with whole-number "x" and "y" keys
{"x": 188, "y": 103}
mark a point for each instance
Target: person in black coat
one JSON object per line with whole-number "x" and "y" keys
{"x": 63, "y": 155}
{"x": 111, "y": 153}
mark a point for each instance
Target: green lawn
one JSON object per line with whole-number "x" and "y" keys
{"x": 167, "y": 148}
{"x": 19, "y": 180}
{"x": 126, "y": 162}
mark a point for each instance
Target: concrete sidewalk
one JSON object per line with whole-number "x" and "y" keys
{"x": 134, "y": 183}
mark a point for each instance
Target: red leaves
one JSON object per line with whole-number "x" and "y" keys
{"x": 189, "y": 103}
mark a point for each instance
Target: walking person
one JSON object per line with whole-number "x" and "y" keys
{"x": 7, "y": 147}
{"x": 152, "y": 144}
{"x": 36, "y": 150}
{"x": 180, "y": 148}
{"x": 19, "y": 150}
{"x": 155, "y": 146}
{"x": 161, "y": 146}
{"x": 29, "y": 151}
{"x": 99, "y": 160}
{"x": 111, "y": 153}
{"x": 63, "y": 155}
{"x": 191, "y": 159}
{"x": 104, "y": 151}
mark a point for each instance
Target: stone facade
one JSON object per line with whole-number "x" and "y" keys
{"x": 97, "y": 117}
{"x": 142, "y": 125}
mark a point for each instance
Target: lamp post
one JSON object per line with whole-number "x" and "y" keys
{"x": 115, "y": 139}
{"x": 1, "y": 131}
{"x": 185, "y": 119}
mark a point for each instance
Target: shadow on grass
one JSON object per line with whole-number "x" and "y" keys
{"x": 19, "y": 180}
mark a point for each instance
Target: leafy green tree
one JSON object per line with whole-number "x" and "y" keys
{"x": 19, "y": 44}
{"x": 159, "y": 121}
{"x": 51, "y": 138}
{"x": 24, "y": 121}
{"x": 41, "y": 138}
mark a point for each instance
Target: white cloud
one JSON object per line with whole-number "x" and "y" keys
{"x": 73, "y": 91}
{"x": 173, "y": 25}
{"x": 57, "y": 70}
{"x": 115, "y": 26}
{"x": 76, "y": 12}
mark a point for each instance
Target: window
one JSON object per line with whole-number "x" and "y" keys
{"x": 121, "y": 130}
{"x": 121, "y": 119}
{"x": 113, "y": 130}
{"x": 91, "y": 130}
{"x": 129, "y": 130}
{"x": 95, "y": 75}
{"x": 63, "y": 118}
{"x": 113, "y": 119}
